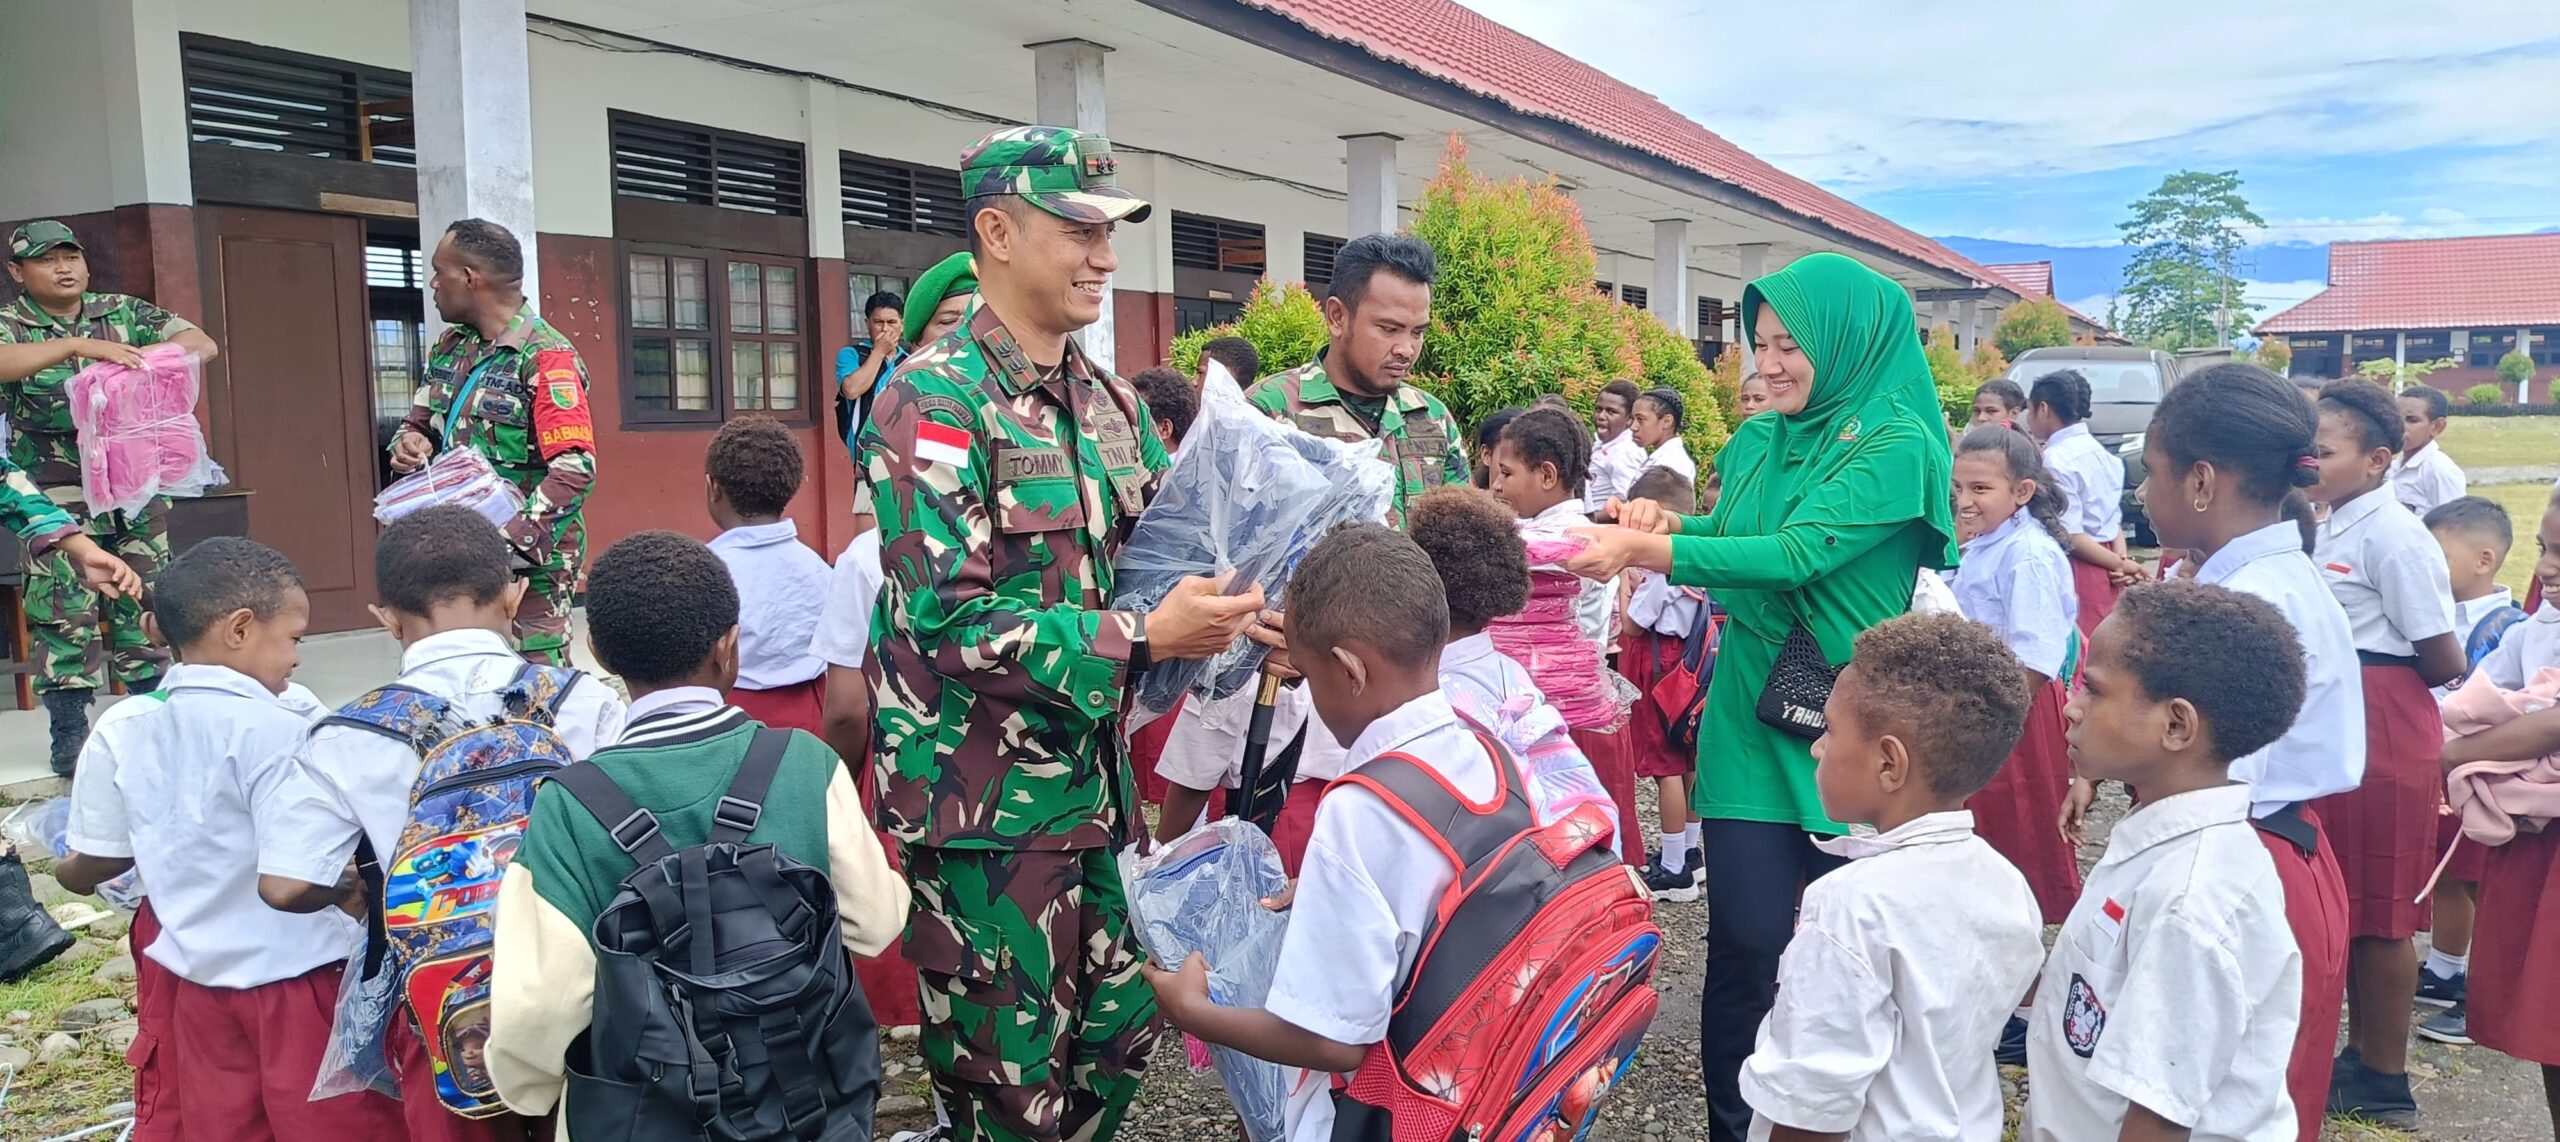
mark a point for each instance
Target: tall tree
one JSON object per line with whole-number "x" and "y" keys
{"x": 2181, "y": 288}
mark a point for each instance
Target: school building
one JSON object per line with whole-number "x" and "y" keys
{"x": 2473, "y": 300}
{"x": 709, "y": 187}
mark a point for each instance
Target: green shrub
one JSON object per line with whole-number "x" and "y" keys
{"x": 2515, "y": 368}
{"x": 2275, "y": 355}
{"x": 2483, "y": 393}
{"x": 1282, "y": 320}
{"x": 1955, "y": 382}
{"x": 2036, "y": 323}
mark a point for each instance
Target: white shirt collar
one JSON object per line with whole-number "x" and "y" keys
{"x": 2071, "y": 432}
{"x": 1402, "y": 725}
{"x": 200, "y": 676}
{"x": 1472, "y": 649}
{"x": 1926, "y": 829}
{"x": 2354, "y": 513}
{"x": 2172, "y": 817}
{"x": 2274, "y": 539}
{"x": 452, "y": 644}
{"x": 1563, "y": 513}
{"x": 1998, "y": 535}
{"x": 1669, "y": 447}
{"x": 758, "y": 534}
{"x": 2420, "y": 456}
{"x": 674, "y": 700}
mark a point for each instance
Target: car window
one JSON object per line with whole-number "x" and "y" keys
{"x": 2110, "y": 382}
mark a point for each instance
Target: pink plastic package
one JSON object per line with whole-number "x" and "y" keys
{"x": 1544, "y": 638}
{"x": 138, "y": 433}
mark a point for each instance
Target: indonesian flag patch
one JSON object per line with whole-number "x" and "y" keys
{"x": 942, "y": 444}
{"x": 2111, "y": 919}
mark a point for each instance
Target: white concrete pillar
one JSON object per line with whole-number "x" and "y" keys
{"x": 1669, "y": 298}
{"x": 1967, "y": 333}
{"x": 2524, "y": 345}
{"x": 1067, "y": 92}
{"x": 474, "y": 123}
{"x": 819, "y": 123}
{"x": 146, "y": 103}
{"x": 1753, "y": 258}
{"x": 1369, "y": 163}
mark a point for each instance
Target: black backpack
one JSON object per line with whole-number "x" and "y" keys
{"x": 725, "y": 1005}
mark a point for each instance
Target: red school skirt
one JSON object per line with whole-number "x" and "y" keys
{"x": 1643, "y": 659}
{"x": 2515, "y": 949}
{"x": 1614, "y": 762}
{"x": 2097, "y": 594}
{"x": 2315, "y": 907}
{"x": 799, "y": 706}
{"x": 2384, "y": 830}
{"x": 2020, "y": 812}
{"x": 2468, "y": 858}
{"x": 1146, "y": 748}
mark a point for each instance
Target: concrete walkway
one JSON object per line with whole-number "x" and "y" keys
{"x": 337, "y": 667}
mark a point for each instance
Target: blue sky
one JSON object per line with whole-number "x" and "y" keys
{"x": 2035, "y": 122}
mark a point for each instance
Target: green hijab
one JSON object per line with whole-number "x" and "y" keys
{"x": 1857, "y": 328}
{"x": 956, "y": 274}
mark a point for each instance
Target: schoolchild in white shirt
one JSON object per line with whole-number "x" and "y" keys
{"x": 2389, "y": 575}
{"x": 1660, "y": 416}
{"x": 2174, "y": 993}
{"x": 165, "y": 786}
{"x": 1616, "y": 458}
{"x": 1907, "y": 959}
{"x": 1655, "y": 634}
{"x": 751, "y": 471}
{"x": 2091, "y": 480}
{"x": 449, "y": 600}
{"x": 2530, "y": 645}
{"x": 2423, "y": 478}
{"x": 2227, "y": 451}
{"x": 1204, "y": 753}
{"x": 1366, "y": 627}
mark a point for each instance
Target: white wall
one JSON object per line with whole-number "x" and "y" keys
{"x": 91, "y": 115}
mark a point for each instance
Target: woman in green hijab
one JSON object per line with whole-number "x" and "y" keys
{"x": 1832, "y": 503}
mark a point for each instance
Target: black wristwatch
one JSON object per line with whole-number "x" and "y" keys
{"x": 1140, "y": 658}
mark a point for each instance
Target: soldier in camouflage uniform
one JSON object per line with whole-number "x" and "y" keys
{"x": 504, "y": 383}
{"x": 1374, "y": 312}
{"x": 1007, "y": 470}
{"x": 54, "y": 330}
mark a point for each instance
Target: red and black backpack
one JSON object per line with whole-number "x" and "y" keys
{"x": 1534, "y": 983}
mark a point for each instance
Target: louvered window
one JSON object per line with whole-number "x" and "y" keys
{"x": 244, "y": 95}
{"x": 881, "y": 194}
{"x": 1710, "y": 318}
{"x": 1607, "y": 289}
{"x": 1635, "y": 295}
{"x": 676, "y": 162}
{"x": 1320, "y": 254}
{"x": 1204, "y": 243}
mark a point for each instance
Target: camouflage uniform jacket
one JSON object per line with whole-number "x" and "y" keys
{"x": 998, "y": 674}
{"x": 526, "y": 411}
{"x": 27, "y": 512}
{"x": 41, "y": 437}
{"x": 1422, "y": 439}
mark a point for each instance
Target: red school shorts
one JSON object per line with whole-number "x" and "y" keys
{"x": 242, "y": 1060}
{"x": 799, "y": 706}
{"x": 155, "y": 995}
{"x": 2385, "y": 830}
{"x": 1643, "y": 660}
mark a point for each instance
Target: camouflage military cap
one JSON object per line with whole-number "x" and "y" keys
{"x": 1063, "y": 171}
{"x": 35, "y": 238}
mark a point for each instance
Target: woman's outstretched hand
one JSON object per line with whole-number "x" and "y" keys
{"x": 1642, "y": 515}
{"x": 1610, "y": 550}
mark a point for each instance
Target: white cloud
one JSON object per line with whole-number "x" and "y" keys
{"x": 2271, "y": 298}
{"x": 2435, "y": 222}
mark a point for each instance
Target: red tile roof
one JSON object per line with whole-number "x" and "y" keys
{"x": 2433, "y": 283}
{"x": 1444, "y": 41}
{"x": 2034, "y": 277}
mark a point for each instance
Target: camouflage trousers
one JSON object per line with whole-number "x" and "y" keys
{"x": 81, "y": 636}
{"x": 542, "y": 620}
{"x": 1037, "y": 1025}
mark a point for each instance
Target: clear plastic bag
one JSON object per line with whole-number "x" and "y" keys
{"x": 457, "y": 477}
{"x": 1203, "y": 893}
{"x": 354, "y": 1059}
{"x": 45, "y": 826}
{"x": 138, "y": 433}
{"x": 1249, "y": 495}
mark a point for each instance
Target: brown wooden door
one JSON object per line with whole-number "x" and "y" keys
{"x": 287, "y": 402}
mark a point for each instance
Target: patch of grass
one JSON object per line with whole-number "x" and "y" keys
{"x": 75, "y": 1091}
{"x": 2502, "y": 441}
{"x": 2524, "y": 504}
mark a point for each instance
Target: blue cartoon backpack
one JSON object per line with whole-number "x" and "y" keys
{"x": 434, "y": 901}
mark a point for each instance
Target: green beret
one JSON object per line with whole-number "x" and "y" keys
{"x": 950, "y": 277}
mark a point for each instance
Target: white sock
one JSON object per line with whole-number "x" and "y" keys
{"x": 1692, "y": 833}
{"x": 2026, "y": 1012}
{"x": 1675, "y": 850}
{"x": 2447, "y": 967}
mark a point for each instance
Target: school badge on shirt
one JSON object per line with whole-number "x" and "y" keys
{"x": 1849, "y": 432}
{"x": 2084, "y": 1017}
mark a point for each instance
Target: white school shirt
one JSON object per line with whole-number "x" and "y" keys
{"x": 1659, "y": 607}
{"x": 2427, "y": 479}
{"x": 2324, "y": 751}
{"x": 1595, "y": 609}
{"x": 2175, "y": 983}
{"x": 347, "y": 780}
{"x": 1366, "y": 895}
{"x": 2092, "y": 483}
{"x": 1674, "y": 454}
{"x": 853, "y": 591}
{"x": 1615, "y": 464}
{"x": 2016, "y": 579}
{"x": 1904, "y": 967}
{"x": 2466, "y": 619}
{"x": 168, "y": 784}
{"x": 2387, "y": 571}
{"x": 782, "y": 588}
{"x": 1494, "y": 691}
{"x": 1205, "y": 749}
{"x": 2527, "y": 647}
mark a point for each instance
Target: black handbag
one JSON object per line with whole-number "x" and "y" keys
{"x": 1799, "y": 683}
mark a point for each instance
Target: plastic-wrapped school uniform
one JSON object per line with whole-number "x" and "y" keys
{"x": 2016, "y": 580}
{"x": 2389, "y": 575}
{"x": 2515, "y": 946}
{"x": 1564, "y": 660}
{"x": 2092, "y": 484}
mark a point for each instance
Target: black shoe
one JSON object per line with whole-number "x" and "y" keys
{"x": 2451, "y": 1025}
{"x": 1672, "y": 887}
{"x": 69, "y": 712}
{"x": 29, "y": 939}
{"x": 2012, "y": 1051}
{"x": 2437, "y": 991}
{"x": 2359, "y": 1091}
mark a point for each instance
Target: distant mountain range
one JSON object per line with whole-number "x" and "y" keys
{"x": 2091, "y": 271}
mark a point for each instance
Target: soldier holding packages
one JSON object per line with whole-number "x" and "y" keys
{"x": 1007, "y": 470}
{"x": 54, "y": 330}
{"x": 504, "y": 383}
